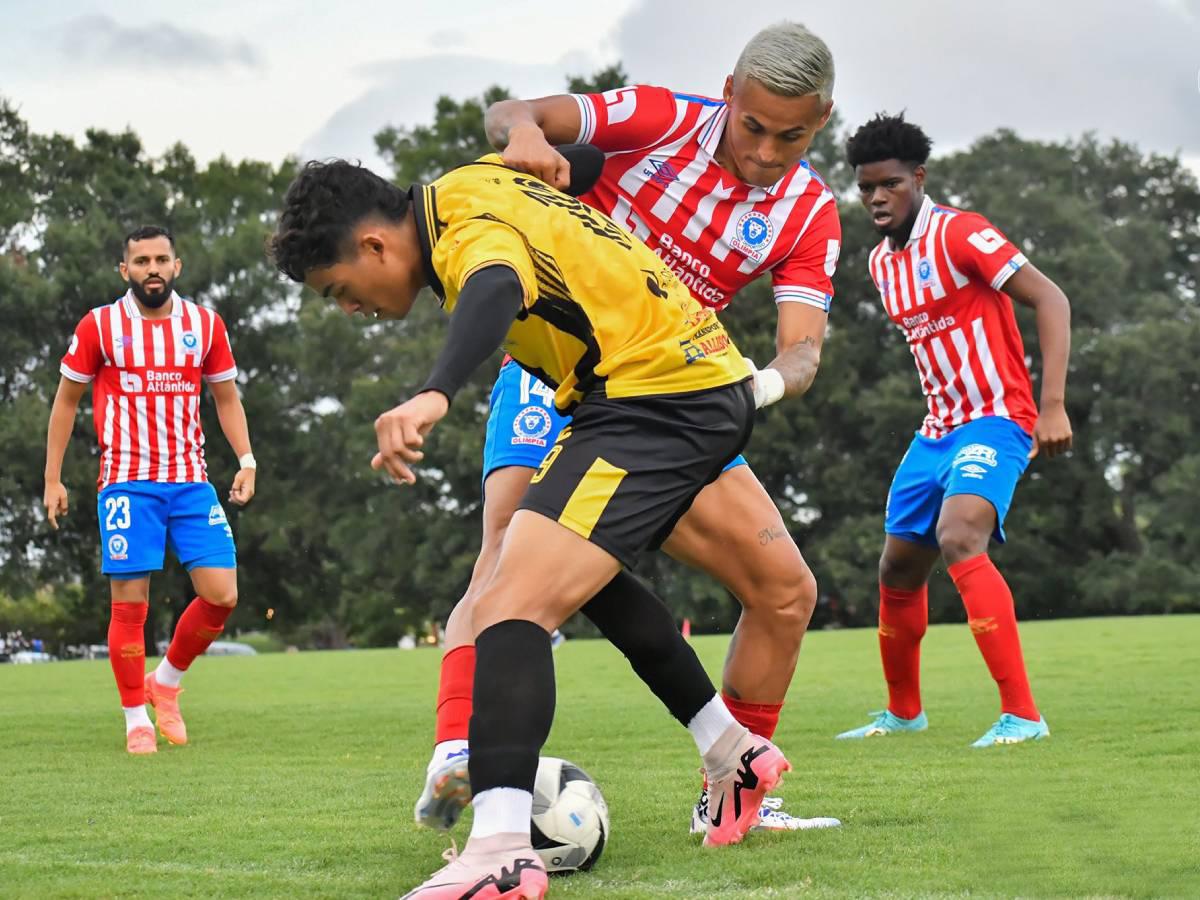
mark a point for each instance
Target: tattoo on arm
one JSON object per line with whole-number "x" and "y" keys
{"x": 770, "y": 534}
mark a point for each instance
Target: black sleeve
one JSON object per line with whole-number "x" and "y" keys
{"x": 486, "y": 307}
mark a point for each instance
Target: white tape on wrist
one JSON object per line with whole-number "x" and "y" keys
{"x": 768, "y": 387}
{"x": 246, "y": 461}
{"x": 768, "y": 384}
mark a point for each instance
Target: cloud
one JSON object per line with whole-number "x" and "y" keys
{"x": 97, "y": 39}
{"x": 403, "y": 93}
{"x": 1047, "y": 70}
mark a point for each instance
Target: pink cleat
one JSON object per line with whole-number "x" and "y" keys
{"x": 165, "y": 701}
{"x": 489, "y": 869}
{"x": 141, "y": 740}
{"x": 735, "y": 800}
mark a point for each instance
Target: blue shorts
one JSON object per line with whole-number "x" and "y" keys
{"x": 139, "y": 519}
{"x": 523, "y": 424}
{"x": 985, "y": 458}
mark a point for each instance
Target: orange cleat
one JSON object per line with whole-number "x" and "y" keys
{"x": 165, "y": 701}
{"x": 141, "y": 740}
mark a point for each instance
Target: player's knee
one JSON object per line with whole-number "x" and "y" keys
{"x": 961, "y": 539}
{"x": 226, "y": 597}
{"x": 787, "y": 599}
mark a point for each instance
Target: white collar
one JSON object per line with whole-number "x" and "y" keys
{"x": 918, "y": 228}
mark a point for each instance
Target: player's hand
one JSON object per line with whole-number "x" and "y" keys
{"x": 55, "y": 500}
{"x": 401, "y": 434}
{"x": 528, "y": 151}
{"x": 1052, "y": 433}
{"x": 243, "y": 487}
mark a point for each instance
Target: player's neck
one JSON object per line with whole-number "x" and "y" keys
{"x": 899, "y": 238}
{"x": 155, "y": 312}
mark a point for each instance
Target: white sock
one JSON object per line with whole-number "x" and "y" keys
{"x": 501, "y": 811}
{"x": 710, "y": 723}
{"x": 167, "y": 675}
{"x": 136, "y": 717}
{"x": 443, "y": 751}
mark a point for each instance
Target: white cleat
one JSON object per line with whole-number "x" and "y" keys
{"x": 771, "y": 817}
{"x": 447, "y": 792}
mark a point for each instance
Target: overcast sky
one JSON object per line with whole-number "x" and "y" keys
{"x": 271, "y": 78}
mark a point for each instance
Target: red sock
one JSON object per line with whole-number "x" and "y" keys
{"x": 127, "y": 651}
{"x": 454, "y": 694}
{"x": 201, "y": 624}
{"x": 760, "y": 718}
{"x": 993, "y": 621}
{"x": 903, "y": 618}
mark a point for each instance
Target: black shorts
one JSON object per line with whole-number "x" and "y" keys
{"x": 623, "y": 472}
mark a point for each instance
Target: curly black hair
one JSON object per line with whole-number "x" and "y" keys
{"x": 321, "y": 207}
{"x": 145, "y": 232}
{"x": 888, "y": 137}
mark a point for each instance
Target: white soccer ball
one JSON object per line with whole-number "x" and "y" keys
{"x": 570, "y": 817}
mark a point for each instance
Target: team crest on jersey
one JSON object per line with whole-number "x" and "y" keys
{"x": 925, "y": 272}
{"x": 216, "y": 515}
{"x": 976, "y": 453}
{"x": 531, "y": 426}
{"x": 118, "y": 547}
{"x": 752, "y": 235}
{"x": 191, "y": 343}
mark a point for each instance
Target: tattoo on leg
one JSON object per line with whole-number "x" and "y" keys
{"x": 770, "y": 534}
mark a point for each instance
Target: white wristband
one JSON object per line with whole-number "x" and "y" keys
{"x": 768, "y": 385}
{"x": 246, "y": 461}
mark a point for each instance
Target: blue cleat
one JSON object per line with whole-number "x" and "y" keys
{"x": 885, "y": 723}
{"x": 1012, "y": 729}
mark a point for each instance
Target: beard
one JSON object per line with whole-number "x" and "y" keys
{"x": 153, "y": 299}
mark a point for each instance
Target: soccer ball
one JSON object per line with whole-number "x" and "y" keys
{"x": 570, "y": 817}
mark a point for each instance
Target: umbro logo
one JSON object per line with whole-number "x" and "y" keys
{"x": 661, "y": 172}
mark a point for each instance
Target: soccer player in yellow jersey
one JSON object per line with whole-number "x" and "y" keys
{"x": 661, "y": 400}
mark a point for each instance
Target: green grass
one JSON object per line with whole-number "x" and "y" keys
{"x": 302, "y": 771}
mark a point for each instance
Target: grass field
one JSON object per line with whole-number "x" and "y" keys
{"x": 302, "y": 771}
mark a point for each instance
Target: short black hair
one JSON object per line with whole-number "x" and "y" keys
{"x": 321, "y": 206}
{"x": 888, "y": 137}
{"x": 145, "y": 232}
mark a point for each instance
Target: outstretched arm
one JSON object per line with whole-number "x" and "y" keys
{"x": 486, "y": 307}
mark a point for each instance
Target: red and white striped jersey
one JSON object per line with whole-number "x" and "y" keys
{"x": 662, "y": 183}
{"x": 943, "y": 289}
{"x": 146, "y": 398}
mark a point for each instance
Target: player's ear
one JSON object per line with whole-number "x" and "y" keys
{"x": 123, "y": 269}
{"x": 919, "y": 176}
{"x": 372, "y": 244}
{"x": 825, "y": 115}
{"x": 178, "y": 266}
{"x": 728, "y": 92}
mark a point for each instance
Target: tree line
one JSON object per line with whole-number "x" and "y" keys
{"x": 331, "y": 556}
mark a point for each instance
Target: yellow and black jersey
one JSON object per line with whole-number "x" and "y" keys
{"x": 602, "y": 314}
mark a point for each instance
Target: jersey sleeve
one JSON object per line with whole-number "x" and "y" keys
{"x": 977, "y": 248}
{"x": 806, "y": 274}
{"x": 218, "y": 363}
{"x": 626, "y": 118}
{"x": 466, "y": 247}
{"x": 83, "y": 358}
